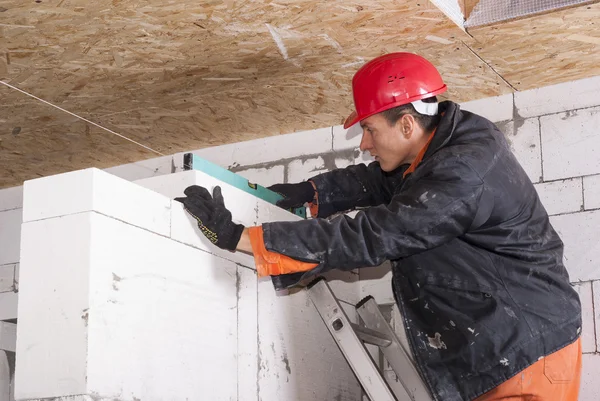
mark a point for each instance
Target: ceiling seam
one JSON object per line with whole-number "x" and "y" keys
{"x": 489, "y": 65}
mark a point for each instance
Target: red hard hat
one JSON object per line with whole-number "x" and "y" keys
{"x": 390, "y": 81}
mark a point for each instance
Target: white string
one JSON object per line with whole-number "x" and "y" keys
{"x": 81, "y": 118}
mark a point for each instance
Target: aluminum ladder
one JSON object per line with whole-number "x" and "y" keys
{"x": 351, "y": 339}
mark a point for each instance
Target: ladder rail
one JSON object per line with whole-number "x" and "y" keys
{"x": 396, "y": 354}
{"x": 347, "y": 340}
{"x": 351, "y": 338}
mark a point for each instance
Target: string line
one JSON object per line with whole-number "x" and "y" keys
{"x": 81, "y": 118}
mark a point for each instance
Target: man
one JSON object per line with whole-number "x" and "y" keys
{"x": 477, "y": 267}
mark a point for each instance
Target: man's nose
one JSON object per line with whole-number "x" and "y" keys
{"x": 365, "y": 142}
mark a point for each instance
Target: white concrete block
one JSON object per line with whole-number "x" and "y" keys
{"x": 184, "y": 228}
{"x": 172, "y": 185}
{"x": 53, "y": 301}
{"x": 93, "y": 189}
{"x": 497, "y": 108}
{"x": 143, "y": 169}
{"x": 10, "y": 235}
{"x": 8, "y": 336}
{"x": 7, "y": 277}
{"x": 266, "y": 213}
{"x": 561, "y": 196}
{"x": 571, "y": 144}
{"x": 268, "y": 149}
{"x": 150, "y": 303}
{"x": 377, "y": 282}
{"x": 247, "y": 348}
{"x": 11, "y": 198}
{"x": 590, "y": 385}
{"x": 558, "y": 98}
{"x": 591, "y": 192}
{"x": 580, "y": 232}
{"x": 8, "y": 305}
{"x": 343, "y": 162}
{"x": 55, "y": 191}
{"x": 264, "y": 176}
{"x": 176, "y": 295}
{"x": 524, "y": 140}
{"x": 298, "y": 358}
{"x": 588, "y": 331}
{"x": 4, "y": 377}
{"x": 303, "y": 169}
{"x": 242, "y": 205}
{"x": 346, "y": 138}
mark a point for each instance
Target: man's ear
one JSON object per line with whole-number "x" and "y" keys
{"x": 407, "y": 125}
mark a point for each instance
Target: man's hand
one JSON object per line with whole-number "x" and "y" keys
{"x": 214, "y": 220}
{"x": 294, "y": 195}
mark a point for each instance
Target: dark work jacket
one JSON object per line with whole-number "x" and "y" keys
{"x": 477, "y": 267}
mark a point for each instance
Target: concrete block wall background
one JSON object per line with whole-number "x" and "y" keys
{"x": 552, "y": 131}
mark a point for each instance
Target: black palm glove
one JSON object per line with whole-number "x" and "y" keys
{"x": 214, "y": 220}
{"x": 294, "y": 195}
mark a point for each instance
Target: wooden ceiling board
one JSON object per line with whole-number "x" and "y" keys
{"x": 545, "y": 49}
{"x": 181, "y": 75}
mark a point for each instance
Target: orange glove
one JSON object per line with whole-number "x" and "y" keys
{"x": 272, "y": 263}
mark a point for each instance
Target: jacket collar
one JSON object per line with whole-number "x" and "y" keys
{"x": 445, "y": 128}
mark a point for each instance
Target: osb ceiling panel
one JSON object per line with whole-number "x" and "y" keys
{"x": 543, "y": 50}
{"x": 487, "y": 12}
{"x": 181, "y": 75}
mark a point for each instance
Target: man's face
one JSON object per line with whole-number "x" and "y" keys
{"x": 391, "y": 146}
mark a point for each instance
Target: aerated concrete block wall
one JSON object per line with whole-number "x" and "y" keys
{"x": 122, "y": 300}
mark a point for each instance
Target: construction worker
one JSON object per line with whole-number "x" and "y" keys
{"x": 477, "y": 267}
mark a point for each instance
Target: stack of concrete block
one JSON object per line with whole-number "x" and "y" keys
{"x": 122, "y": 299}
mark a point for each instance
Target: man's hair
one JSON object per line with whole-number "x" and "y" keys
{"x": 428, "y": 123}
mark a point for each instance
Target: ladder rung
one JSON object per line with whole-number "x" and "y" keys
{"x": 371, "y": 336}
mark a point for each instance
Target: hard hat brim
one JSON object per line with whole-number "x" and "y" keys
{"x": 353, "y": 118}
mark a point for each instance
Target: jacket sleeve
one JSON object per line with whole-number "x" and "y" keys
{"x": 436, "y": 208}
{"x": 355, "y": 186}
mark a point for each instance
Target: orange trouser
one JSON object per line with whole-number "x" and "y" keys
{"x": 554, "y": 378}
